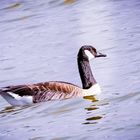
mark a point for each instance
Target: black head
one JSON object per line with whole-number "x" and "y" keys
{"x": 88, "y": 52}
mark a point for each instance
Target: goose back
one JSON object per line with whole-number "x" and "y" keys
{"x": 44, "y": 91}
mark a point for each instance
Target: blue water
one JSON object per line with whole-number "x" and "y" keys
{"x": 39, "y": 41}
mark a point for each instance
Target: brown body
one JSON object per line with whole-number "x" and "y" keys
{"x": 46, "y": 91}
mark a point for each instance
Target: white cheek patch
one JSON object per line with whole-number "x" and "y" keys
{"x": 89, "y": 54}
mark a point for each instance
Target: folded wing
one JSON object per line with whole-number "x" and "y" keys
{"x": 44, "y": 91}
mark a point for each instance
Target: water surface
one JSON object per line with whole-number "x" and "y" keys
{"x": 39, "y": 41}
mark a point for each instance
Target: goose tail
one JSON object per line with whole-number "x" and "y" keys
{"x": 1, "y": 91}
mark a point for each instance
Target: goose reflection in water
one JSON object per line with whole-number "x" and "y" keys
{"x": 91, "y": 109}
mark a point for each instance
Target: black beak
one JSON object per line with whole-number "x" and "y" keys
{"x": 100, "y": 55}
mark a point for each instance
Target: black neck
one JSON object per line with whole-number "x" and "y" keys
{"x": 85, "y": 72}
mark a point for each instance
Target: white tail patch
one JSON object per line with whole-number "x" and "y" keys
{"x": 89, "y": 54}
{"x": 94, "y": 90}
{"x": 15, "y": 99}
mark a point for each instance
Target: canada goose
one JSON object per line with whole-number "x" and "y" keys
{"x": 53, "y": 90}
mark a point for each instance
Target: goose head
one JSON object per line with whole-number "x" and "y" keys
{"x": 88, "y": 52}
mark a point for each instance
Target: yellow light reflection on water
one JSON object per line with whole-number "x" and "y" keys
{"x": 69, "y": 1}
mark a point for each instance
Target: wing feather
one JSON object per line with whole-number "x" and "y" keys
{"x": 46, "y": 91}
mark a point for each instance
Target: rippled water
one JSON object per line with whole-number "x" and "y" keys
{"x": 39, "y": 41}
